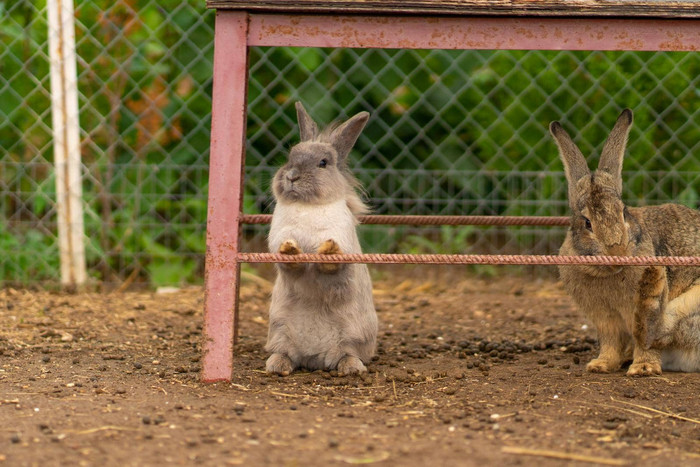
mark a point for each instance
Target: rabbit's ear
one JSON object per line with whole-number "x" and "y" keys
{"x": 575, "y": 166}
{"x": 344, "y": 137}
{"x": 308, "y": 130}
{"x": 614, "y": 148}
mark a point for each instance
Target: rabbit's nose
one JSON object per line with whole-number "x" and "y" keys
{"x": 293, "y": 176}
{"x": 617, "y": 250}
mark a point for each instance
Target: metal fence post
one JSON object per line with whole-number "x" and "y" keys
{"x": 226, "y": 165}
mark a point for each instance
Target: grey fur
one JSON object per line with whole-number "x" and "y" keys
{"x": 300, "y": 181}
{"x": 308, "y": 130}
{"x": 322, "y": 316}
{"x": 647, "y": 315}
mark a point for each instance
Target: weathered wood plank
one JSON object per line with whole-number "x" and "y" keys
{"x": 559, "y": 8}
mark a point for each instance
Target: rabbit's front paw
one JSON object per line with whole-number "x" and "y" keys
{"x": 644, "y": 369}
{"x": 659, "y": 334}
{"x": 651, "y": 303}
{"x": 349, "y": 365}
{"x": 279, "y": 364}
{"x": 329, "y": 247}
{"x": 662, "y": 339}
{"x": 601, "y": 365}
{"x": 290, "y": 247}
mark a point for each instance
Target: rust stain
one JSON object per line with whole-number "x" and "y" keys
{"x": 279, "y": 29}
{"x": 631, "y": 44}
{"x": 312, "y": 32}
{"x": 678, "y": 41}
{"x": 525, "y": 32}
{"x": 678, "y": 44}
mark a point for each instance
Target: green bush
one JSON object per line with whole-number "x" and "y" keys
{"x": 451, "y": 132}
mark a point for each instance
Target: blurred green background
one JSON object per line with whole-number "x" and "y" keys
{"x": 451, "y": 132}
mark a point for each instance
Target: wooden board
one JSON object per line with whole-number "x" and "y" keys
{"x": 559, "y": 8}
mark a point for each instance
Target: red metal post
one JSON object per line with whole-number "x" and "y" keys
{"x": 226, "y": 163}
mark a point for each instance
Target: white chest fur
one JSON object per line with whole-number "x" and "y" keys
{"x": 312, "y": 224}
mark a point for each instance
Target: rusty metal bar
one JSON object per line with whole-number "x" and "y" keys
{"x": 373, "y": 258}
{"x": 436, "y": 220}
{"x": 504, "y": 33}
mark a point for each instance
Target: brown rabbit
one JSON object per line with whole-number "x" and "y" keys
{"x": 642, "y": 314}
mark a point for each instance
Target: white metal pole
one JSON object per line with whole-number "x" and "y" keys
{"x": 64, "y": 108}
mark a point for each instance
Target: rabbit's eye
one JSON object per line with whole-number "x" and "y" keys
{"x": 323, "y": 163}
{"x": 588, "y": 224}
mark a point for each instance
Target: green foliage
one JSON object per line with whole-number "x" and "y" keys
{"x": 27, "y": 256}
{"x": 145, "y": 85}
{"x": 450, "y": 240}
{"x": 451, "y": 132}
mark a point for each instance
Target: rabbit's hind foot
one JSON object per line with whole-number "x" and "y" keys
{"x": 349, "y": 365}
{"x": 279, "y": 364}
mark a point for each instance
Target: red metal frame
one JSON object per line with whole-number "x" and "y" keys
{"x": 236, "y": 31}
{"x": 492, "y": 33}
{"x": 226, "y": 163}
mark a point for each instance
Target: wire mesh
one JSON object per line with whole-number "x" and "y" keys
{"x": 451, "y": 133}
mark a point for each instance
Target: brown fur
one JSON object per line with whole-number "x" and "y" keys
{"x": 629, "y": 306}
{"x": 651, "y": 299}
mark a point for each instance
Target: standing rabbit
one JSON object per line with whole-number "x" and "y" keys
{"x": 322, "y": 316}
{"x": 649, "y": 315}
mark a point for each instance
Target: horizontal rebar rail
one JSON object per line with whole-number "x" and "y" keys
{"x": 436, "y": 220}
{"x": 375, "y": 258}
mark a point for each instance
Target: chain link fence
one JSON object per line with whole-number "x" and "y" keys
{"x": 451, "y": 132}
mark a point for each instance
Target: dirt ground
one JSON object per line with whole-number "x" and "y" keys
{"x": 469, "y": 371}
